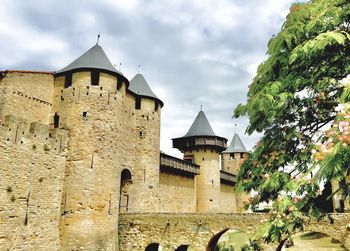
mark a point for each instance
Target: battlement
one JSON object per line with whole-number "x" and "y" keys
{"x": 76, "y": 94}
{"x": 19, "y": 131}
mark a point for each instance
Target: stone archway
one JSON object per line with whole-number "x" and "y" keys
{"x": 153, "y": 247}
{"x": 182, "y": 248}
{"x": 214, "y": 240}
{"x": 229, "y": 239}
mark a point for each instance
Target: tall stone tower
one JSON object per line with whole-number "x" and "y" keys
{"x": 146, "y": 132}
{"x": 203, "y": 147}
{"x": 89, "y": 100}
{"x": 231, "y": 160}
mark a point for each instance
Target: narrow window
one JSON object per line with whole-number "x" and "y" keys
{"x": 68, "y": 80}
{"x": 155, "y": 106}
{"x": 95, "y": 77}
{"x": 138, "y": 103}
{"x": 85, "y": 114}
{"x": 56, "y": 120}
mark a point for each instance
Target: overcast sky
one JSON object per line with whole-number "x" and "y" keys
{"x": 193, "y": 53}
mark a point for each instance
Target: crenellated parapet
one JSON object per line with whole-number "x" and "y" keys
{"x": 19, "y": 131}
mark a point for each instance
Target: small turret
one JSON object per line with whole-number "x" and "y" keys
{"x": 231, "y": 162}
{"x": 202, "y": 146}
{"x": 232, "y": 156}
{"x": 200, "y": 136}
{"x": 146, "y": 135}
{"x": 140, "y": 87}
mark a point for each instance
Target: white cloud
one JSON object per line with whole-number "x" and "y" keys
{"x": 193, "y": 52}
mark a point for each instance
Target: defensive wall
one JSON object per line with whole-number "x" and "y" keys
{"x": 31, "y": 180}
{"x": 202, "y": 231}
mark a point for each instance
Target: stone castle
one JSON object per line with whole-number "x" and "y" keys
{"x": 81, "y": 146}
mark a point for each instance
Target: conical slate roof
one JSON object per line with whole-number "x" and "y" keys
{"x": 95, "y": 58}
{"x": 236, "y": 145}
{"x": 200, "y": 127}
{"x": 139, "y": 86}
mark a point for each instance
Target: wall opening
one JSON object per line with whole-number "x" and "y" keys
{"x": 138, "y": 103}
{"x": 228, "y": 239}
{"x": 95, "y": 77}
{"x": 153, "y": 247}
{"x": 68, "y": 80}
{"x": 125, "y": 183}
{"x": 183, "y": 248}
{"x": 56, "y": 120}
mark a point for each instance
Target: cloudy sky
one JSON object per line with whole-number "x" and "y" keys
{"x": 193, "y": 53}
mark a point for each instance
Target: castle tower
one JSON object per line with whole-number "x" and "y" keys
{"x": 89, "y": 102}
{"x": 232, "y": 156}
{"x": 231, "y": 160}
{"x": 202, "y": 146}
{"x": 142, "y": 195}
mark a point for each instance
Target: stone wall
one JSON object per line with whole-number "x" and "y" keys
{"x": 228, "y": 202}
{"x": 27, "y": 95}
{"x": 32, "y": 161}
{"x": 177, "y": 194}
{"x": 136, "y": 231}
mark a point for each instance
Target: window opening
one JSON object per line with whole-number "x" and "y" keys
{"x": 95, "y": 77}
{"x": 68, "y": 80}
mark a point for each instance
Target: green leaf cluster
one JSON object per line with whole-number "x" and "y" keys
{"x": 292, "y": 99}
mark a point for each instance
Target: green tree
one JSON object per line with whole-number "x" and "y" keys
{"x": 298, "y": 93}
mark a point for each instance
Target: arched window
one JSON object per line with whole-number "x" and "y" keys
{"x": 125, "y": 182}
{"x": 153, "y": 247}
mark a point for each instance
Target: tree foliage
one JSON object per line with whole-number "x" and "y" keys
{"x": 299, "y": 101}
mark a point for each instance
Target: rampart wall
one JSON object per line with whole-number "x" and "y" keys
{"x": 32, "y": 161}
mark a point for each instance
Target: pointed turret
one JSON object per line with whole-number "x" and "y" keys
{"x": 200, "y": 135}
{"x": 140, "y": 87}
{"x": 94, "y": 59}
{"x": 202, "y": 146}
{"x": 232, "y": 156}
{"x": 236, "y": 145}
{"x": 200, "y": 127}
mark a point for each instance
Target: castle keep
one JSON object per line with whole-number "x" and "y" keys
{"x": 81, "y": 146}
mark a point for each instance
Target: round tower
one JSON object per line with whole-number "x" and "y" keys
{"x": 232, "y": 156}
{"x": 203, "y": 147}
{"x": 146, "y": 136}
{"x": 231, "y": 160}
{"x": 89, "y": 97}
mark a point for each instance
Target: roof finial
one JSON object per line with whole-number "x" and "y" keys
{"x": 235, "y": 127}
{"x": 139, "y": 70}
{"x": 98, "y": 38}
{"x": 201, "y": 107}
{"x": 120, "y": 66}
